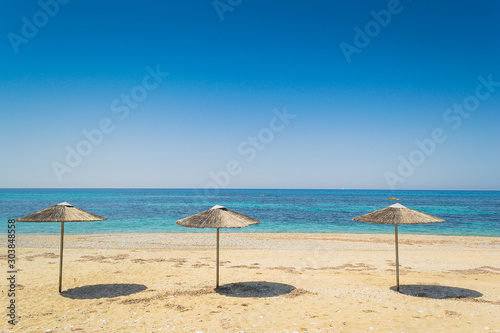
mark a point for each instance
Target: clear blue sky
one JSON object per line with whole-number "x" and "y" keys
{"x": 360, "y": 100}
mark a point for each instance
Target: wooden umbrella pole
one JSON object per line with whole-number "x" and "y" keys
{"x": 61, "y": 256}
{"x": 397, "y": 256}
{"x": 217, "y": 284}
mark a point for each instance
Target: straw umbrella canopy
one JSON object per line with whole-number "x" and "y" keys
{"x": 217, "y": 217}
{"x": 397, "y": 214}
{"x": 63, "y": 212}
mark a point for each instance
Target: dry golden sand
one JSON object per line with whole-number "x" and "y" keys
{"x": 269, "y": 283}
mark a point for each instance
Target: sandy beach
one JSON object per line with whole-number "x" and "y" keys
{"x": 269, "y": 283}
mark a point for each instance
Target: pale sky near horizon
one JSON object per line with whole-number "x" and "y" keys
{"x": 250, "y": 94}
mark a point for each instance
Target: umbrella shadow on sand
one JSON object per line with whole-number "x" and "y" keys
{"x": 255, "y": 289}
{"x": 103, "y": 291}
{"x": 436, "y": 291}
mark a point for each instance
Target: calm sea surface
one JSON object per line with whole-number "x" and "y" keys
{"x": 473, "y": 213}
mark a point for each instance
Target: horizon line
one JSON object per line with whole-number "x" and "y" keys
{"x": 241, "y": 188}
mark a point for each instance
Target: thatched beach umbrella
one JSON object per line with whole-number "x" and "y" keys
{"x": 217, "y": 217}
{"x": 63, "y": 212}
{"x": 397, "y": 214}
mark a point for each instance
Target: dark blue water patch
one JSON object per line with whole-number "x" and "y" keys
{"x": 474, "y": 213}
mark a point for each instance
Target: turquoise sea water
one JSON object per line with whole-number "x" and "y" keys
{"x": 473, "y": 213}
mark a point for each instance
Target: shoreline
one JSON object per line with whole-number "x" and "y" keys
{"x": 290, "y": 241}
